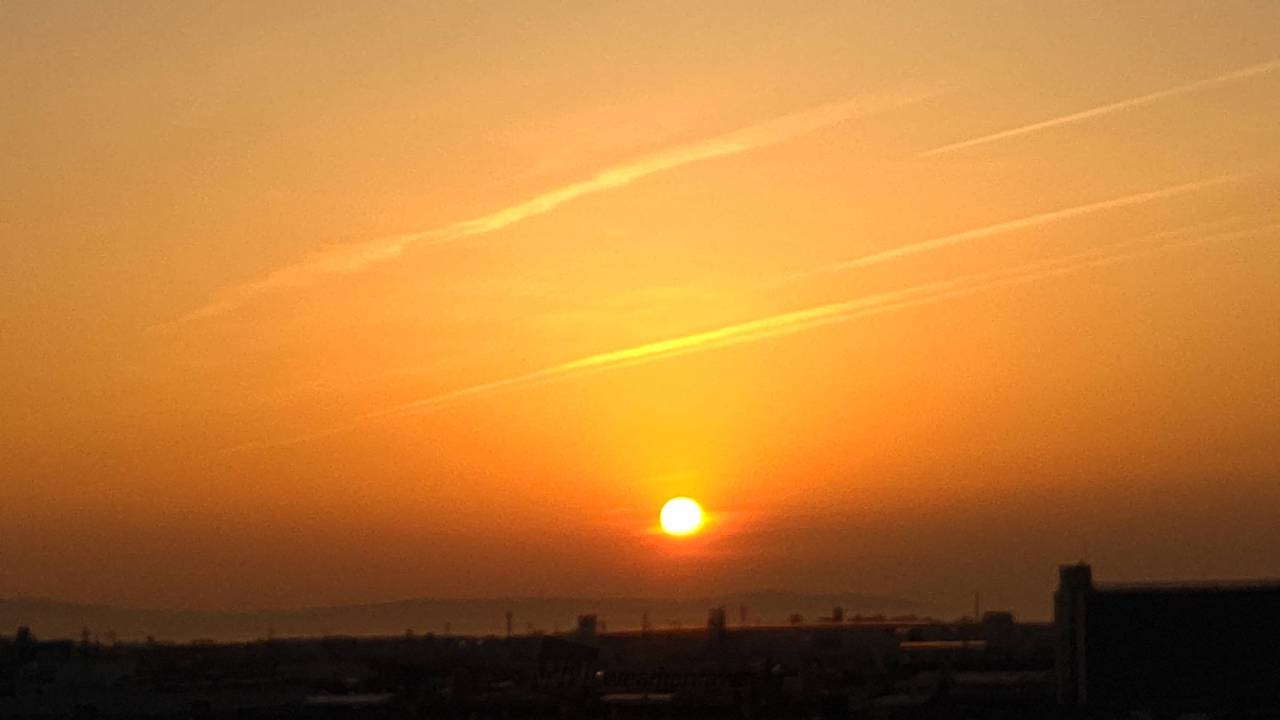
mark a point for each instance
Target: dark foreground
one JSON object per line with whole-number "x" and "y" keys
{"x": 914, "y": 669}
{"x": 1113, "y": 651}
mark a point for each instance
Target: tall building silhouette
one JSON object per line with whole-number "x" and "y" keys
{"x": 1166, "y": 648}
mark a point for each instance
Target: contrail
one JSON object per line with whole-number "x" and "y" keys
{"x": 1241, "y": 74}
{"x": 801, "y": 320}
{"x": 353, "y": 258}
{"x": 1007, "y": 226}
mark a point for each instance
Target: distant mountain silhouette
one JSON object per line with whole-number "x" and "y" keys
{"x": 49, "y": 619}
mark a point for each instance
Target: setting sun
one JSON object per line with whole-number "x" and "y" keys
{"x": 681, "y": 516}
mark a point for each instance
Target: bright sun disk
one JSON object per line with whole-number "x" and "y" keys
{"x": 680, "y": 516}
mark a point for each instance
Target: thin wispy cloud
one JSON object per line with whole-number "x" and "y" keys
{"x": 790, "y": 323}
{"x": 1021, "y": 223}
{"x": 357, "y": 257}
{"x": 1118, "y": 106}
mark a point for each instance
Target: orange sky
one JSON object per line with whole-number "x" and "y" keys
{"x": 335, "y": 302}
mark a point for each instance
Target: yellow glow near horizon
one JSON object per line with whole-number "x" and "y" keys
{"x": 681, "y": 516}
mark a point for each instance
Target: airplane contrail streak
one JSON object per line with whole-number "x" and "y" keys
{"x": 1021, "y": 223}
{"x": 356, "y": 257}
{"x": 1241, "y": 74}
{"x": 801, "y": 320}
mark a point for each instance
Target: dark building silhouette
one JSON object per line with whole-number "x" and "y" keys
{"x": 1166, "y": 648}
{"x": 561, "y": 653}
{"x": 587, "y": 625}
{"x": 716, "y": 624}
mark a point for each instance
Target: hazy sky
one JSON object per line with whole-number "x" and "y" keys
{"x": 314, "y": 302}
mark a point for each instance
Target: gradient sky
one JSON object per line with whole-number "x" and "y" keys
{"x": 311, "y": 302}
